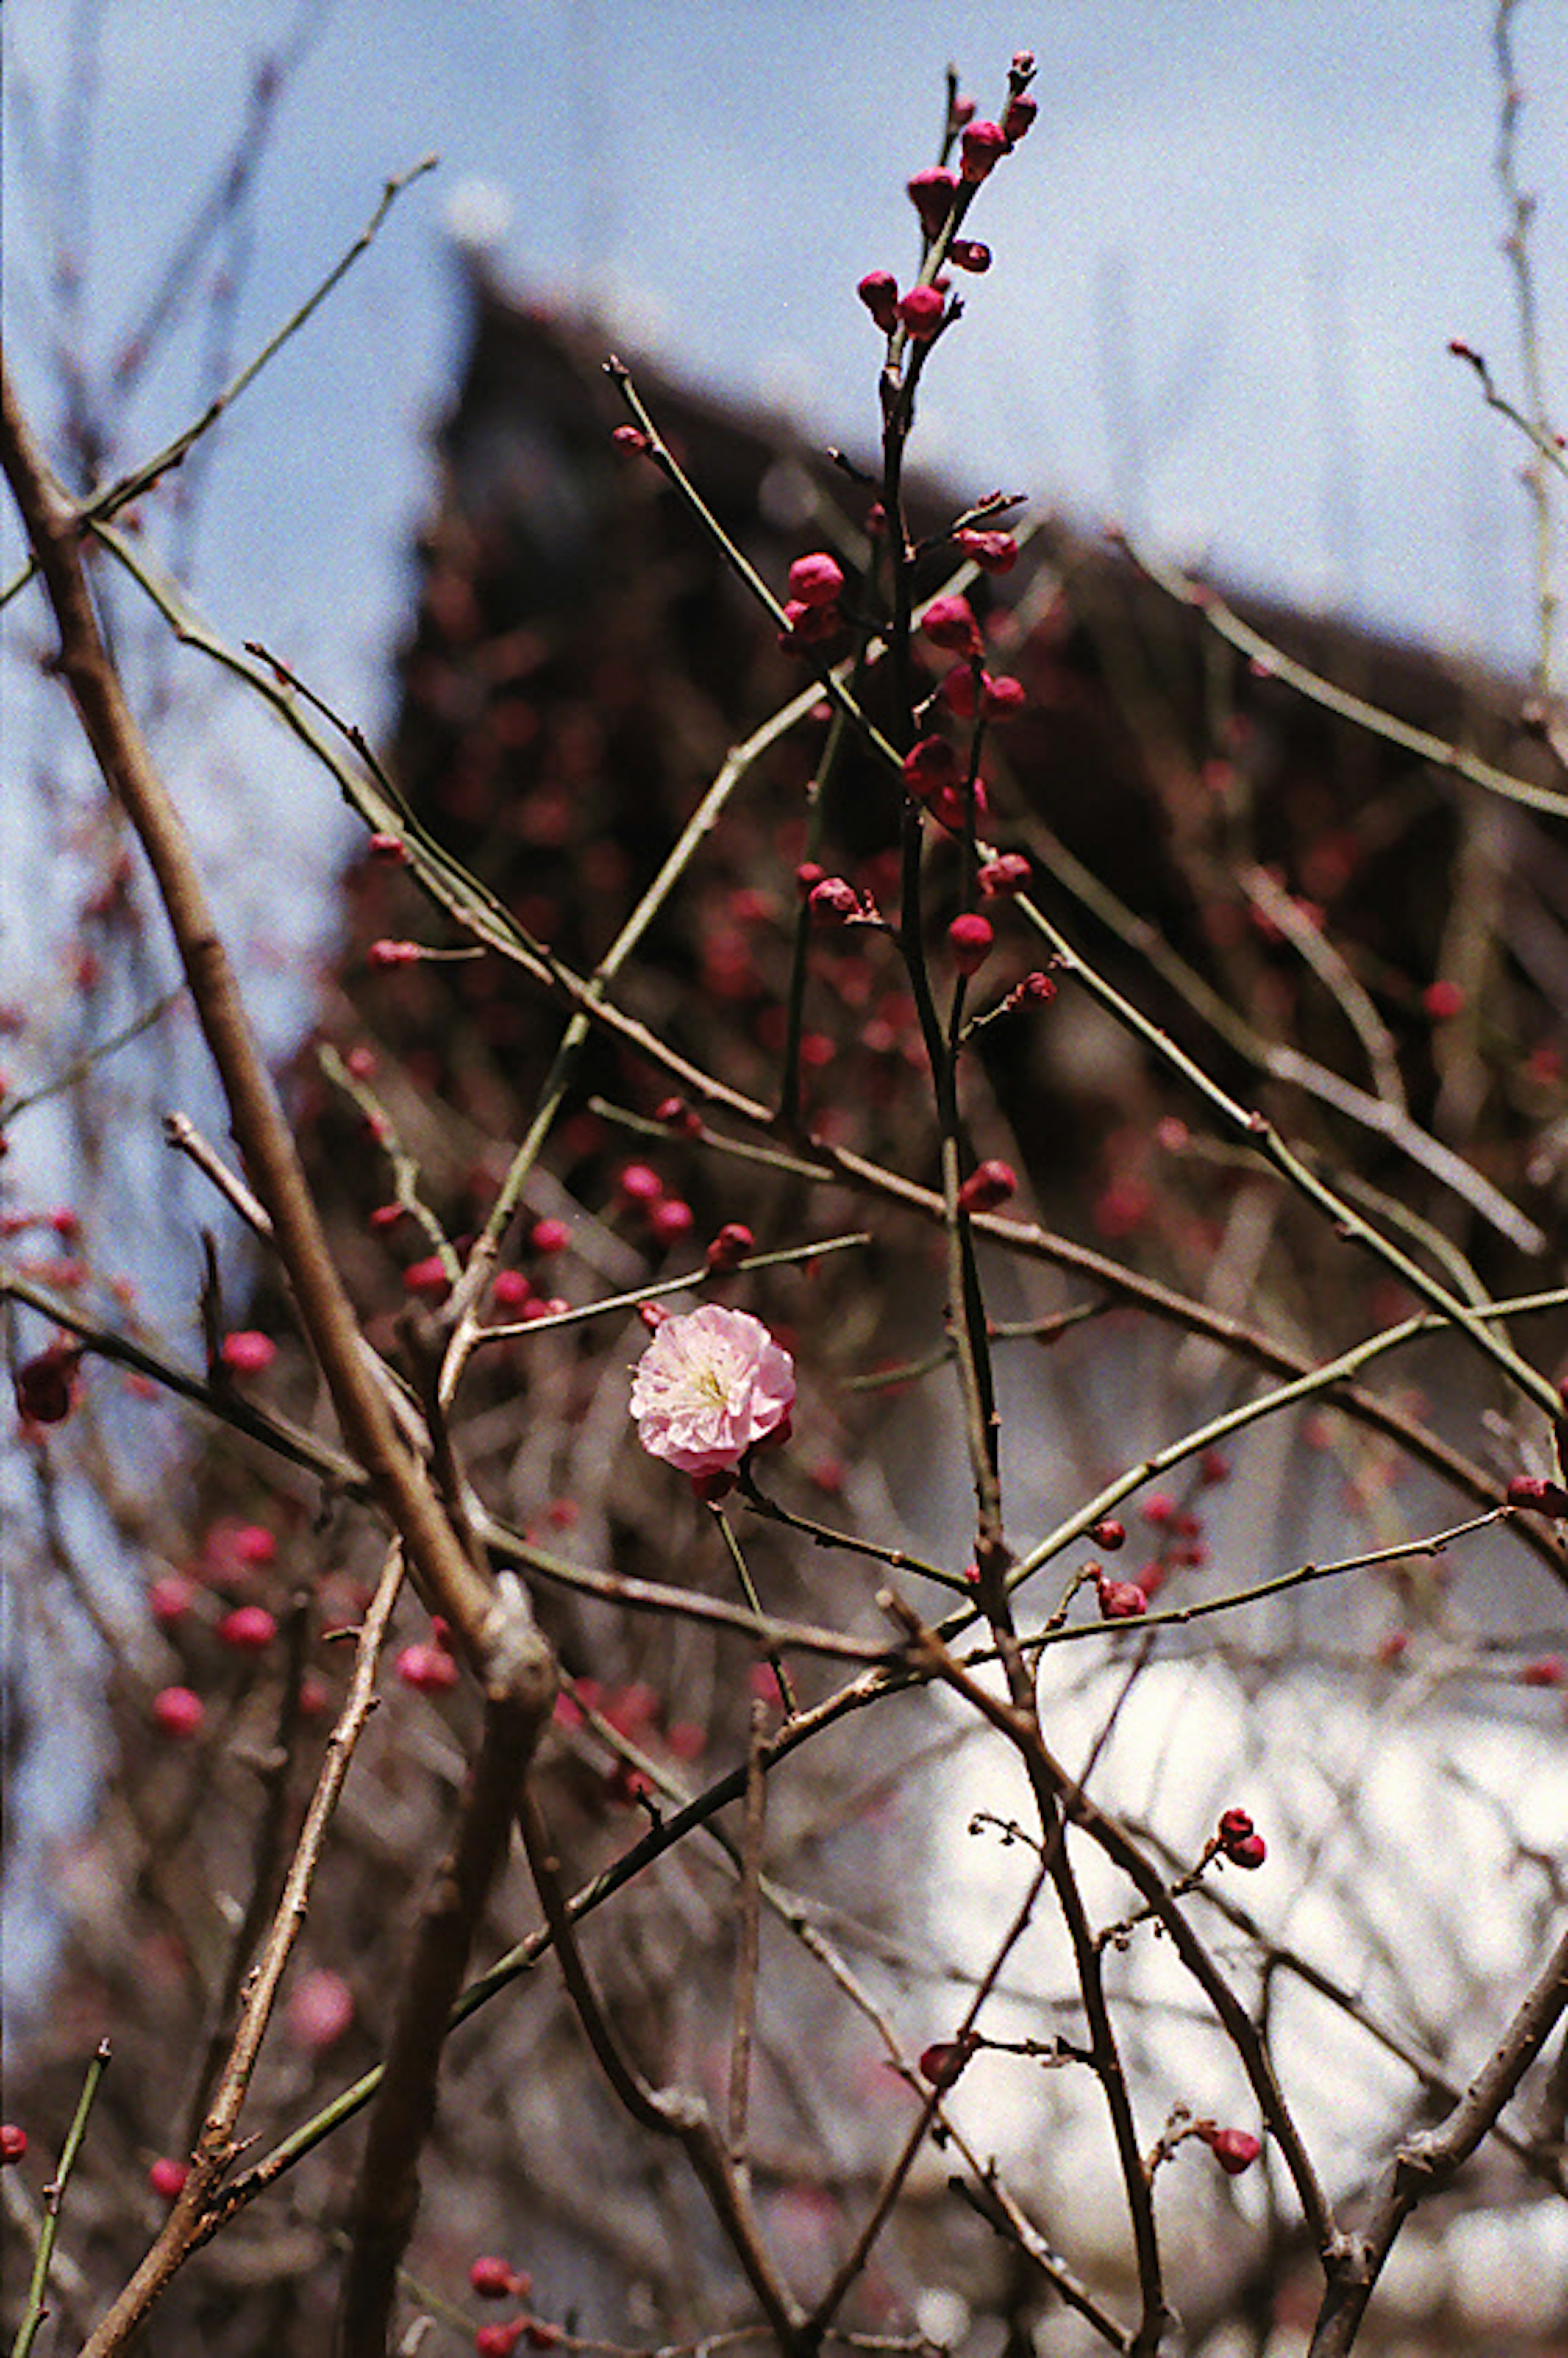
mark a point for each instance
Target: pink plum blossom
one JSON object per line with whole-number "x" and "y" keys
{"x": 710, "y": 1386}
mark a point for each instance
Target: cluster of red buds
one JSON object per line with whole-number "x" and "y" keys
{"x": 1119, "y": 1600}
{"x": 668, "y": 1217}
{"x": 1239, "y": 1840}
{"x": 933, "y": 777}
{"x": 834, "y": 902}
{"x": 812, "y": 609}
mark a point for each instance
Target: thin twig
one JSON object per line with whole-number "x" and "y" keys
{"x": 748, "y": 1919}
{"x": 118, "y": 494}
{"x": 198, "y": 2208}
{"x": 36, "y": 2311}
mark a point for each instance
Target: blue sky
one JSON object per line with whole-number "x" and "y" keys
{"x": 1229, "y": 260}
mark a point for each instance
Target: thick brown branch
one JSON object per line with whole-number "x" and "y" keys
{"x": 451, "y": 1581}
{"x": 387, "y": 2197}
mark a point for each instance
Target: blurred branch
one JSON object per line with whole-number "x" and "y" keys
{"x": 666, "y": 2112}
{"x": 1271, "y": 660}
{"x": 108, "y": 502}
{"x": 387, "y": 2195}
{"x": 1385, "y": 1120}
{"x": 201, "y": 2206}
{"x": 1546, "y": 443}
{"x": 1425, "y": 2164}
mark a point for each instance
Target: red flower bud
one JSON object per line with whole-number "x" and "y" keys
{"x": 427, "y": 1277}
{"x": 630, "y": 438}
{"x": 429, "y": 1670}
{"x": 942, "y": 2063}
{"x": 993, "y": 552}
{"x": 983, "y": 144}
{"x": 168, "y": 2177}
{"x": 177, "y": 1712}
{"x": 1109, "y": 1535}
{"x": 950, "y": 622}
{"x": 248, "y": 1629}
{"x": 13, "y": 2142}
{"x": 989, "y": 1183}
{"x": 969, "y": 253}
{"x": 816, "y": 580}
{"x": 1239, "y": 1840}
{"x": 320, "y": 2010}
{"x": 1120, "y": 1600}
{"x": 833, "y": 903}
{"x": 971, "y": 940}
{"x": 732, "y": 1245}
{"x": 1540, "y": 1496}
{"x": 492, "y": 2279}
{"x": 670, "y": 1219}
{"x": 1005, "y": 696}
{"x": 169, "y": 1599}
{"x": 1021, "y": 112}
{"x": 809, "y": 626}
{"x": 499, "y": 2340}
{"x": 962, "y": 692}
{"x": 877, "y": 290}
{"x": 247, "y": 1353}
{"x": 922, "y": 311}
{"x": 931, "y": 192}
{"x": 950, "y": 805}
{"x": 1008, "y": 873}
{"x": 1234, "y": 2150}
{"x": 930, "y": 767}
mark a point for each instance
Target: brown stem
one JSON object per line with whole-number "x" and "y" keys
{"x": 264, "y": 1866}
{"x": 199, "y": 2206}
{"x": 1426, "y": 2163}
{"x": 386, "y": 2199}
{"x": 666, "y": 2113}
{"x": 748, "y": 1914}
